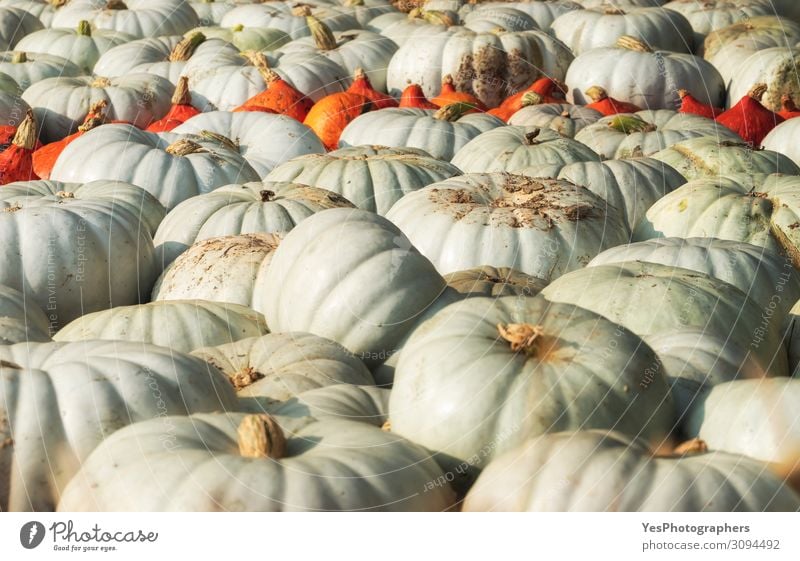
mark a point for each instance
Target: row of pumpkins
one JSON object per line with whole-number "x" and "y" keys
{"x": 429, "y": 255}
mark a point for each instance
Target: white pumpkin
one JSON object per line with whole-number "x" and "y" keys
{"x": 764, "y": 275}
{"x": 16, "y": 23}
{"x": 485, "y": 374}
{"x": 370, "y": 282}
{"x": 44, "y": 11}
{"x": 607, "y": 471}
{"x": 544, "y": 227}
{"x": 8, "y": 86}
{"x": 224, "y": 269}
{"x": 646, "y": 132}
{"x": 140, "y": 18}
{"x": 440, "y": 133}
{"x": 753, "y": 34}
{"x": 708, "y": 157}
{"x": 763, "y": 211}
{"x": 563, "y": 118}
{"x": 491, "y": 66}
{"x": 582, "y": 30}
{"x": 630, "y": 185}
{"x": 27, "y": 68}
{"x": 495, "y": 282}
{"x": 325, "y": 465}
{"x": 82, "y": 46}
{"x": 59, "y": 401}
{"x": 170, "y": 166}
{"x": 210, "y": 12}
{"x": 21, "y": 320}
{"x": 120, "y": 60}
{"x": 61, "y": 104}
{"x": 77, "y": 249}
{"x": 781, "y": 139}
{"x": 247, "y": 38}
{"x": 755, "y": 418}
{"x": 512, "y": 148}
{"x": 706, "y": 17}
{"x": 652, "y": 299}
{"x": 250, "y": 208}
{"x": 365, "y": 404}
{"x": 180, "y": 325}
{"x": 776, "y": 67}
{"x": 400, "y": 27}
{"x": 543, "y": 13}
{"x": 280, "y": 366}
{"x": 351, "y": 50}
{"x": 264, "y": 140}
{"x": 371, "y": 177}
{"x": 492, "y": 17}
{"x": 12, "y": 107}
{"x": 283, "y": 16}
{"x": 651, "y": 79}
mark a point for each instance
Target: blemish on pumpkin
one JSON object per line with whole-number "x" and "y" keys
{"x": 244, "y": 377}
{"x": 529, "y": 339}
{"x": 683, "y": 205}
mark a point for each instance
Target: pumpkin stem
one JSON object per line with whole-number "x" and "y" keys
{"x": 181, "y": 96}
{"x": 84, "y": 28}
{"x": 57, "y": 3}
{"x": 613, "y": 11}
{"x": 434, "y": 17}
{"x": 116, "y": 5}
{"x": 633, "y": 44}
{"x": 260, "y": 436}
{"x": 596, "y": 93}
{"x": 787, "y": 103}
{"x": 683, "y": 93}
{"x": 301, "y": 10}
{"x": 25, "y": 137}
{"x": 757, "y": 91}
{"x": 186, "y": 47}
{"x": 259, "y": 60}
{"x": 244, "y": 377}
{"x": 100, "y": 82}
{"x": 221, "y": 139}
{"x": 453, "y": 111}
{"x": 692, "y": 446}
{"x": 237, "y": 28}
{"x": 352, "y": 3}
{"x": 7, "y": 364}
{"x": 267, "y": 195}
{"x": 531, "y": 98}
{"x": 387, "y": 426}
{"x": 530, "y": 137}
{"x": 630, "y": 124}
{"x": 522, "y": 336}
{"x": 184, "y": 147}
{"x": 65, "y": 195}
{"x": 95, "y": 117}
{"x": 323, "y": 37}
{"x": 19, "y": 57}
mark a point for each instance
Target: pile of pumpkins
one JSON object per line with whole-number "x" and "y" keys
{"x": 399, "y": 255}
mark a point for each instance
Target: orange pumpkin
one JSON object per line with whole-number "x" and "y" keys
{"x": 414, "y": 97}
{"x": 331, "y": 114}
{"x": 749, "y": 119}
{"x": 181, "y": 110}
{"x": 45, "y": 157}
{"x": 551, "y": 91}
{"x": 16, "y": 161}
{"x": 449, "y": 95}
{"x": 362, "y": 86}
{"x": 528, "y": 98}
{"x": 690, "y": 104}
{"x": 279, "y": 96}
{"x": 606, "y": 105}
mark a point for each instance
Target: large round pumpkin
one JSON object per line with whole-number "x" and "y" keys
{"x": 542, "y": 227}
{"x": 28, "y": 68}
{"x": 607, "y": 471}
{"x": 776, "y": 67}
{"x": 483, "y": 375}
{"x": 269, "y": 207}
{"x": 279, "y": 366}
{"x": 370, "y": 282}
{"x": 280, "y": 464}
{"x": 58, "y": 401}
{"x": 140, "y": 18}
{"x": 77, "y": 249}
{"x": 371, "y": 177}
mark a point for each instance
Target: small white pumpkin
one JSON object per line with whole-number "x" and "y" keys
{"x": 247, "y": 38}
{"x": 781, "y": 139}
{"x": 27, "y": 68}
{"x": 440, "y": 133}
{"x": 543, "y": 227}
{"x": 172, "y": 167}
{"x": 371, "y": 177}
{"x": 370, "y": 283}
{"x": 16, "y": 23}
{"x": 495, "y": 282}
{"x": 607, "y": 471}
{"x": 365, "y": 404}
{"x": 250, "y": 208}
{"x": 21, "y": 320}
{"x": 776, "y": 67}
{"x": 120, "y": 60}
{"x": 511, "y": 149}
{"x": 564, "y": 118}
{"x": 279, "y": 366}
{"x": 59, "y": 401}
{"x": 706, "y": 17}
{"x": 492, "y": 17}
{"x": 289, "y": 19}
{"x": 140, "y": 18}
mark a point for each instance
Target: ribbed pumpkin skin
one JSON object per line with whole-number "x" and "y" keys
{"x": 331, "y": 115}
{"x": 562, "y": 118}
{"x": 543, "y": 227}
{"x": 615, "y": 473}
{"x": 360, "y": 467}
{"x": 462, "y": 392}
{"x": 37, "y": 67}
{"x": 372, "y": 177}
{"x": 370, "y": 285}
{"x": 59, "y": 401}
{"x": 621, "y": 291}
{"x": 142, "y": 18}
{"x": 81, "y": 50}
{"x": 494, "y": 281}
{"x": 95, "y": 241}
{"x": 21, "y": 321}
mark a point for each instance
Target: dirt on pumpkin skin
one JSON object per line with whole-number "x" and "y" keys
{"x": 491, "y": 74}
